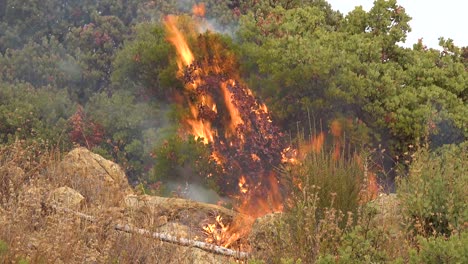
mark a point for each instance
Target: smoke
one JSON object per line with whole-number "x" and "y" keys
{"x": 70, "y": 68}
{"x": 195, "y": 191}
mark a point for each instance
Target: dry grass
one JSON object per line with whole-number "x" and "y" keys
{"x": 35, "y": 232}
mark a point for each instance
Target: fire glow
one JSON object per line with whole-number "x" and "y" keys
{"x": 225, "y": 114}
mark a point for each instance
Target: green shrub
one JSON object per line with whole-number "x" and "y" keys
{"x": 337, "y": 181}
{"x": 434, "y": 196}
{"x": 324, "y": 200}
{"x": 361, "y": 245}
{"x": 185, "y": 161}
{"x": 442, "y": 250}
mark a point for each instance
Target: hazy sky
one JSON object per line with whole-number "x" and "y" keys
{"x": 431, "y": 19}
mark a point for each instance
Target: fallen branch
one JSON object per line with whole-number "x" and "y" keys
{"x": 184, "y": 242}
{"x": 164, "y": 237}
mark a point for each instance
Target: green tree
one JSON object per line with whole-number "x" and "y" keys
{"x": 129, "y": 129}
{"x": 94, "y": 45}
{"x": 33, "y": 114}
{"x": 143, "y": 66}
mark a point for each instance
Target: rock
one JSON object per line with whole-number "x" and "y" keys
{"x": 65, "y": 197}
{"x": 178, "y": 208}
{"x": 100, "y": 181}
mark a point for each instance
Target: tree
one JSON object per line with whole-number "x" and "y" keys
{"x": 28, "y": 113}
{"x": 143, "y": 65}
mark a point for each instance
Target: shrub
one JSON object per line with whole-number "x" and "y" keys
{"x": 442, "y": 250}
{"x": 183, "y": 161}
{"x": 361, "y": 245}
{"x": 434, "y": 195}
{"x": 325, "y": 198}
{"x": 338, "y": 182}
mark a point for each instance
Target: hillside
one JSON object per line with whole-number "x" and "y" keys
{"x": 140, "y": 131}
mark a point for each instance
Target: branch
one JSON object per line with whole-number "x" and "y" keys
{"x": 164, "y": 237}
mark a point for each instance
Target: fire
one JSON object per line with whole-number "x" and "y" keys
{"x": 317, "y": 142}
{"x": 225, "y": 113}
{"x": 199, "y": 10}
{"x": 178, "y": 40}
{"x": 233, "y": 112}
{"x": 216, "y": 231}
{"x": 242, "y": 185}
{"x": 336, "y": 131}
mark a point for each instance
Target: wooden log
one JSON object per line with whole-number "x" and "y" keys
{"x": 164, "y": 237}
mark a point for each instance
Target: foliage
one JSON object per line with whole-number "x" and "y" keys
{"x": 27, "y": 113}
{"x": 41, "y": 63}
{"x": 441, "y": 249}
{"x": 184, "y": 161}
{"x": 324, "y": 204}
{"x": 360, "y": 246}
{"x": 94, "y": 45}
{"x": 299, "y": 64}
{"x": 338, "y": 182}
{"x": 433, "y": 198}
{"x": 84, "y": 132}
{"x": 129, "y": 128}
{"x": 3, "y": 247}
{"x": 143, "y": 66}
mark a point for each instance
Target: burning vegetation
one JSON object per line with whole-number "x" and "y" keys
{"x": 225, "y": 114}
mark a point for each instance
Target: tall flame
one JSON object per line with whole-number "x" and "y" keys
{"x": 225, "y": 113}
{"x": 178, "y": 40}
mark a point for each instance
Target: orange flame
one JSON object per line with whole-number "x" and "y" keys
{"x": 317, "y": 142}
{"x": 185, "y": 57}
{"x": 233, "y": 112}
{"x": 258, "y": 196}
{"x": 242, "y": 185}
{"x": 199, "y": 10}
{"x": 336, "y": 131}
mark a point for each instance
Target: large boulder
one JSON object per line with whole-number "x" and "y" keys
{"x": 100, "y": 181}
{"x": 65, "y": 197}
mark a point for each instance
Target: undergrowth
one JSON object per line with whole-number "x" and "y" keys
{"x": 327, "y": 221}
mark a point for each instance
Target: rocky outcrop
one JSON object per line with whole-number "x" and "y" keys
{"x": 100, "y": 181}
{"x": 65, "y": 197}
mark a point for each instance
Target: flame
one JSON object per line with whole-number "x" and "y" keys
{"x": 177, "y": 39}
{"x": 198, "y": 10}
{"x": 242, "y": 185}
{"x": 216, "y": 231}
{"x": 336, "y": 131}
{"x": 201, "y": 130}
{"x": 225, "y": 113}
{"x": 233, "y": 112}
{"x": 317, "y": 142}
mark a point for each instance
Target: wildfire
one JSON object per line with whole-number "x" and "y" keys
{"x": 216, "y": 231}
{"x": 225, "y": 113}
{"x": 336, "y": 131}
{"x": 242, "y": 187}
{"x": 178, "y": 40}
{"x": 199, "y": 10}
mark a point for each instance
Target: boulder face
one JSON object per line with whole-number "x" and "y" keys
{"x": 99, "y": 180}
{"x": 65, "y": 197}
